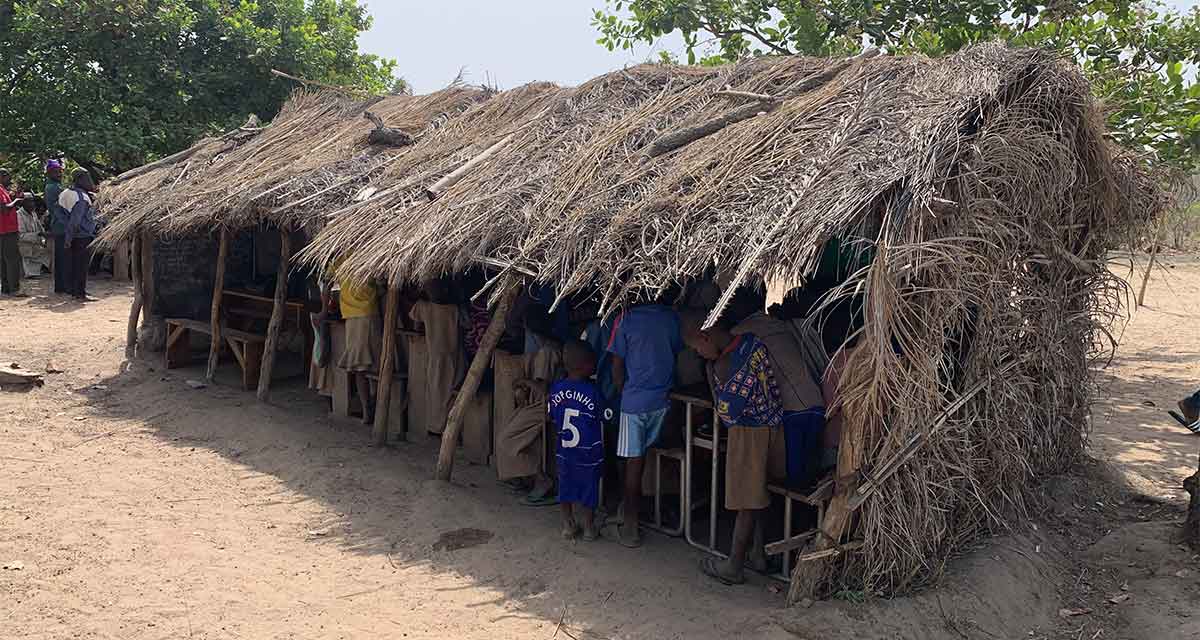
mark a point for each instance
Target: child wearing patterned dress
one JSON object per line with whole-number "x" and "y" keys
{"x": 748, "y": 405}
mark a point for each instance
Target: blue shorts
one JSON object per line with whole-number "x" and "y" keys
{"x": 639, "y": 431}
{"x": 579, "y": 484}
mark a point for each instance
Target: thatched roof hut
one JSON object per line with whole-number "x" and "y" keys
{"x": 314, "y": 155}
{"x": 979, "y": 189}
{"x": 982, "y": 183}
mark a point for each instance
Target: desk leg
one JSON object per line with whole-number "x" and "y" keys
{"x": 687, "y": 474}
{"x": 712, "y": 505}
{"x": 310, "y": 339}
{"x": 787, "y": 535}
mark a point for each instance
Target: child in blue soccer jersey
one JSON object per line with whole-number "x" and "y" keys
{"x": 578, "y": 410}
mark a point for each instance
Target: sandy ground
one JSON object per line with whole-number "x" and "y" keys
{"x": 134, "y": 506}
{"x": 1157, "y": 364}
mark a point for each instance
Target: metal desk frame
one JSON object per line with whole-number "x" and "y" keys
{"x": 691, "y": 441}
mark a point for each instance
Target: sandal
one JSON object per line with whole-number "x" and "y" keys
{"x": 516, "y": 485}
{"x": 1194, "y": 427}
{"x": 543, "y": 501}
{"x": 708, "y": 566}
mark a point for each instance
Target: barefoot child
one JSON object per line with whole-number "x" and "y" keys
{"x": 578, "y": 409}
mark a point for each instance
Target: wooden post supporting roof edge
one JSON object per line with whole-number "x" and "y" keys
{"x": 487, "y": 345}
{"x": 215, "y": 319}
{"x": 387, "y": 366}
{"x": 808, "y": 577}
{"x": 135, "y": 310}
{"x": 277, "y": 310}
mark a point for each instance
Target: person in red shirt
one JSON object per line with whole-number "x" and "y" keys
{"x": 10, "y": 251}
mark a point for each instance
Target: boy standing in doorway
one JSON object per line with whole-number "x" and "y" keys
{"x": 644, "y": 344}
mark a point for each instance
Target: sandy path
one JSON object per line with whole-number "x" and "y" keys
{"x": 1159, "y": 363}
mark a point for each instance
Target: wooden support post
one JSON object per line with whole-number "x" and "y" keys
{"x": 277, "y": 310}
{"x": 218, "y": 288}
{"x": 808, "y": 577}
{"x": 121, "y": 261}
{"x": 147, "y": 268}
{"x": 387, "y": 366}
{"x": 470, "y": 385}
{"x": 135, "y": 311}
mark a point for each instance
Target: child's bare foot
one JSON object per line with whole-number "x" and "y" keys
{"x": 721, "y": 572}
{"x": 629, "y": 537}
{"x": 569, "y": 530}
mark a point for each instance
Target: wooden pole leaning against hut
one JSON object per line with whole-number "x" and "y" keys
{"x": 487, "y": 345}
{"x": 277, "y": 310}
{"x": 215, "y": 319}
{"x": 135, "y": 310}
{"x": 387, "y": 366}
{"x": 812, "y": 564}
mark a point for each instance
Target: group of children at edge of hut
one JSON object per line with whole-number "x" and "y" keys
{"x": 770, "y": 384}
{"x": 774, "y": 415}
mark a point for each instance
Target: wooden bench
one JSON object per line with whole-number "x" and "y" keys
{"x": 815, "y": 496}
{"x": 246, "y": 347}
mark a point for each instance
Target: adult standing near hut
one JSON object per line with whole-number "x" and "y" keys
{"x": 10, "y": 250}
{"x": 645, "y": 342}
{"x": 58, "y": 224}
{"x": 80, "y": 230}
{"x": 358, "y": 302}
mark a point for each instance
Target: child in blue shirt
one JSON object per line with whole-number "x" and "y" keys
{"x": 577, "y": 408}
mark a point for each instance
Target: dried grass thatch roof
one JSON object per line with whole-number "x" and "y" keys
{"x": 982, "y": 182}
{"x": 313, "y": 156}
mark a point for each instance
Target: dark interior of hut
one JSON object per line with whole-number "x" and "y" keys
{"x": 536, "y": 323}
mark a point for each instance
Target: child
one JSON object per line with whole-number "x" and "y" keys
{"x": 577, "y": 408}
{"x": 644, "y": 345}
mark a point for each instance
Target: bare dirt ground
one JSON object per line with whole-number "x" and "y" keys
{"x": 133, "y": 506}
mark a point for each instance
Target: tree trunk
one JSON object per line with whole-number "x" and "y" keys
{"x": 135, "y": 311}
{"x": 218, "y": 289}
{"x": 454, "y": 423}
{"x": 1141, "y": 299}
{"x": 277, "y": 310}
{"x": 387, "y": 366}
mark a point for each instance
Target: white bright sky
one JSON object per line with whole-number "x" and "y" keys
{"x": 505, "y": 43}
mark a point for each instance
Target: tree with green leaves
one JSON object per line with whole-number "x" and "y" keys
{"x": 1140, "y": 57}
{"x": 112, "y": 84}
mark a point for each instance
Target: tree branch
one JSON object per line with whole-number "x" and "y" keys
{"x": 753, "y": 33}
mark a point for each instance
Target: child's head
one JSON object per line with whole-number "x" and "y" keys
{"x": 707, "y": 342}
{"x": 579, "y": 359}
